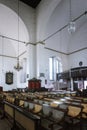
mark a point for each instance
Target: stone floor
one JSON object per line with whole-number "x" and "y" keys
{"x": 82, "y": 126}
{"x": 5, "y": 125}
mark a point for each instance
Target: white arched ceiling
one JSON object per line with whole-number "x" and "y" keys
{"x": 9, "y": 28}
{"x": 63, "y": 41}
{"x": 44, "y": 11}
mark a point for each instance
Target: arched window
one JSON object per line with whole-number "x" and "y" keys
{"x": 55, "y": 66}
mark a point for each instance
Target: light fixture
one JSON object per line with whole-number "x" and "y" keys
{"x": 71, "y": 26}
{"x": 18, "y": 67}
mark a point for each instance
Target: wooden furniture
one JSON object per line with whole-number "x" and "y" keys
{"x": 52, "y": 119}
{"x": 73, "y": 118}
{"x": 1, "y": 109}
{"x": 84, "y": 112}
{"x": 20, "y": 117}
{"x": 34, "y": 83}
{"x": 1, "y": 88}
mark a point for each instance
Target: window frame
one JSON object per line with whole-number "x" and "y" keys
{"x": 55, "y": 66}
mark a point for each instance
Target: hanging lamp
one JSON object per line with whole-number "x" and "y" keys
{"x": 18, "y": 67}
{"x": 71, "y": 26}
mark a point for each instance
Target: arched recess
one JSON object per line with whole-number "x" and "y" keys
{"x": 9, "y": 28}
{"x": 8, "y": 46}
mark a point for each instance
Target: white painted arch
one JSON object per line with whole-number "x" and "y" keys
{"x": 9, "y": 28}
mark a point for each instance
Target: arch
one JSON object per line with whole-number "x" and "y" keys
{"x": 44, "y": 13}
{"x": 9, "y": 26}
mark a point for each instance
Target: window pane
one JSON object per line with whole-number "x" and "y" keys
{"x": 60, "y": 67}
{"x": 50, "y": 68}
{"x": 55, "y": 66}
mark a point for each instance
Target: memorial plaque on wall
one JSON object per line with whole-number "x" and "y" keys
{"x": 9, "y": 78}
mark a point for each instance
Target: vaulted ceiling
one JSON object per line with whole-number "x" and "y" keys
{"x": 32, "y": 3}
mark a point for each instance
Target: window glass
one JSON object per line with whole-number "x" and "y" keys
{"x": 55, "y": 66}
{"x": 51, "y": 68}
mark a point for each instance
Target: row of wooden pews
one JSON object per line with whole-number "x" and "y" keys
{"x": 45, "y": 110}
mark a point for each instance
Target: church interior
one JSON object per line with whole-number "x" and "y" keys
{"x": 43, "y": 64}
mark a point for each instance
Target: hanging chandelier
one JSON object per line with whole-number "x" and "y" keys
{"x": 18, "y": 67}
{"x": 71, "y": 26}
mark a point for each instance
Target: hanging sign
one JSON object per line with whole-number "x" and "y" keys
{"x": 9, "y": 77}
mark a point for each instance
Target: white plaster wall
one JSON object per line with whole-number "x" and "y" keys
{"x": 32, "y": 61}
{"x": 75, "y": 58}
{"x": 6, "y": 66}
{"x": 61, "y": 17}
{"x": 26, "y": 13}
{"x": 63, "y": 58}
{"x": 49, "y": 20}
{"x": 43, "y": 56}
{"x": 43, "y": 13}
{"x": 9, "y": 28}
{"x": 41, "y": 61}
{"x": 79, "y": 39}
{"x": 45, "y": 27}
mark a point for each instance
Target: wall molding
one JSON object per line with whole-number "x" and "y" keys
{"x": 73, "y": 52}
{"x": 8, "y": 56}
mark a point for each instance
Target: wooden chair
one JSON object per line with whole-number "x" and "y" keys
{"x": 36, "y": 101}
{"x": 58, "y": 119}
{"x": 73, "y": 117}
{"x": 84, "y": 111}
{"x": 63, "y": 106}
{"x": 21, "y": 103}
{"x": 53, "y": 119}
{"x": 84, "y": 114}
{"x": 45, "y": 115}
{"x": 46, "y": 110}
{"x": 41, "y": 102}
{"x": 31, "y": 106}
{"x": 54, "y": 105}
{"x": 37, "y": 108}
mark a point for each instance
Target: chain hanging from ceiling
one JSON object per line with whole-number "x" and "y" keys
{"x": 18, "y": 67}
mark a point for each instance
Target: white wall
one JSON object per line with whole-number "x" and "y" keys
{"x": 32, "y": 61}
{"x": 43, "y": 13}
{"x": 60, "y": 17}
{"x": 9, "y": 28}
{"x": 6, "y": 66}
{"x": 75, "y": 58}
{"x": 27, "y": 15}
{"x": 49, "y": 20}
{"x": 36, "y": 25}
{"x": 43, "y": 56}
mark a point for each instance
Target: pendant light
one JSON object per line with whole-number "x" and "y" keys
{"x": 18, "y": 67}
{"x": 71, "y": 26}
